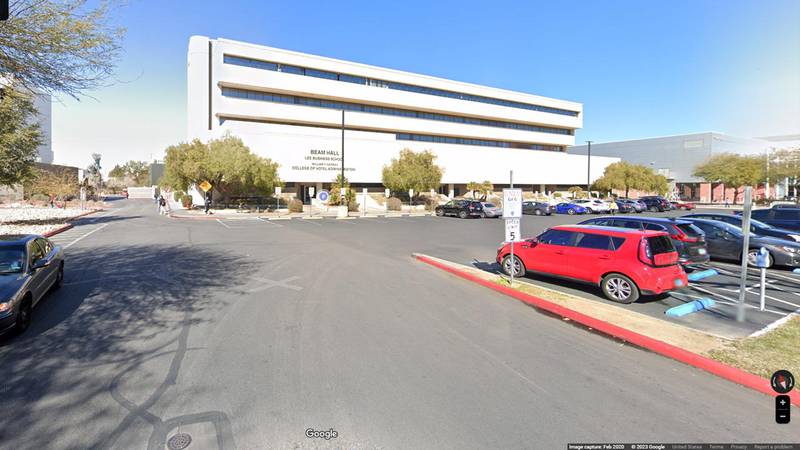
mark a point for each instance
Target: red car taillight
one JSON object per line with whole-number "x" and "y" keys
{"x": 681, "y": 236}
{"x": 645, "y": 255}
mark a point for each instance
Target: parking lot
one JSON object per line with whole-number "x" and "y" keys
{"x": 475, "y": 241}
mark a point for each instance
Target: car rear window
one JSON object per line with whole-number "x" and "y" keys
{"x": 689, "y": 229}
{"x": 660, "y": 244}
{"x": 489, "y": 205}
{"x": 654, "y": 227}
{"x": 595, "y": 241}
{"x": 617, "y": 242}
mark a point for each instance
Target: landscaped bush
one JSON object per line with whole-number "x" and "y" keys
{"x": 40, "y": 198}
{"x": 430, "y": 203}
{"x": 394, "y": 204}
{"x": 295, "y": 205}
{"x": 186, "y": 200}
{"x": 352, "y": 206}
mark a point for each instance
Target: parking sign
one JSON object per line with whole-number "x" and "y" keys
{"x": 512, "y": 230}
{"x": 512, "y": 203}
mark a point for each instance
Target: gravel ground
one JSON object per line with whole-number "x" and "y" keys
{"x": 32, "y": 220}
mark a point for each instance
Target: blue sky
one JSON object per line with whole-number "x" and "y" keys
{"x": 641, "y": 68}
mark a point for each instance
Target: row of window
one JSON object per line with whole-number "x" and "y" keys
{"x": 468, "y": 141}
{"x": 308, "y": 101}
{"x": 287, "y": 68}
{"x": 581, "y": 240}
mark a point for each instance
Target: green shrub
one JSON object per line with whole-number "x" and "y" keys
{"x": 40, "y": 198}
{"x": 186, "y": 200}
{"x": 178, "y": 196}
{"x": 394, "y": 204}
{"x": 430, "y": 203}
{"x": 295, "y": 205}
{"x": 352, "y": 206}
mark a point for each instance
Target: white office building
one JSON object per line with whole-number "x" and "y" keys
{"x": 289, "y": 107}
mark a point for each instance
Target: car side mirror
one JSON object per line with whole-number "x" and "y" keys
{"x": 41, "y": 263}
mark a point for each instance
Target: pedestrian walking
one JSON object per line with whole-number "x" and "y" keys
{"x": 613, "y": 207}
{"x": 208, "y": 203}
{"x": 162, "y": 206}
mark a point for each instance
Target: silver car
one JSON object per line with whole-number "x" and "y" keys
{"x": 491, "y": 210}
{"x": 30, "y": 266}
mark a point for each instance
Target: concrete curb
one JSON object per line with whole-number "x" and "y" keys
{"x": 58, "y": 230}
{"x": 693, "y": 359}
{"x": 69, "y": 224}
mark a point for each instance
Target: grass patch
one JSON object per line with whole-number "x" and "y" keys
{"x": 763, "y": 355}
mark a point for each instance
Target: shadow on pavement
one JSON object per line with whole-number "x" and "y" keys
{"x": 94, "y": 332}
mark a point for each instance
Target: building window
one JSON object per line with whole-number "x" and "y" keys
{"x": 266, "y": 65}
{"x": 307, "y": 101}
{"x": 480, "y": 142}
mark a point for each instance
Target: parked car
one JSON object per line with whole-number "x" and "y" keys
{"x": 656, "y": 203}
{"x": 570, "y": 208}
{"x": 460, "y": 208}
{"x": 593, "y": 205}
{"x": 756, "y": 226}
{"x": 783, "y": 217}
{"x": 491, "y": 210}
{"x": 638, "y": 205}
{"x": 684, "y": 205}
{"x": 624, "y": 207}
{"x": 30, "y": 266}
{"x": 624, "y": 263}
{"x": 688, "y": 240}
{"x": 536, "y": 208}
{"x": 725, "y": 241}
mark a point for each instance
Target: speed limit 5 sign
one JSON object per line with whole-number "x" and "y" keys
{"x": 512, "y": 230}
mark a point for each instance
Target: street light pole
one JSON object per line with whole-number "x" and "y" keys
{"x": 589, "y": 169}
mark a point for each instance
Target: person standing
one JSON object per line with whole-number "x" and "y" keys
{"x": 208, "y": 203}
{"x": 162, "y": 205}
{"x": 613, "y": 207}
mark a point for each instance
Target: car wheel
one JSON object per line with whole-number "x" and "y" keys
{"x": 59, "y": 277}
{"x": 619, "y": 288}
{"x": 439, "y": 212}
{"x": 589, "y": 211}
{"x": 653, "y": 209}
{"x": 483, "y": 214}
{"x": 571, "y": 212}
{"x": 462, "y": 214}
{"x": 751, "y": 258}
{"x": 23, "y": 316}
{"x": 519, "y": 268}
{"x": 537, "y": 212}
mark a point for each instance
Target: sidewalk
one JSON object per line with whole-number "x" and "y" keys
{"x": 177, "y": 211}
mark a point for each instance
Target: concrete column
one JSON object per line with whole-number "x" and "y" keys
{"x": 452, "y": 191}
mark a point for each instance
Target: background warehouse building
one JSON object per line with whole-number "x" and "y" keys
{"x": 287, "y": 106}
{"x": 676, "y": 157}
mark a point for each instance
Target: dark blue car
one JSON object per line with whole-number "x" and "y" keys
{"x": 570, "y": 208}
{"x": 756, "y": 226}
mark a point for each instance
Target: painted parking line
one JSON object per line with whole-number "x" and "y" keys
{"x": 268, "y": 222}
{"x": 223, "y": 224}
{"x": 734, "y": 302}
{"x": 309, "y": 222}
{"x": 85, "y": 235}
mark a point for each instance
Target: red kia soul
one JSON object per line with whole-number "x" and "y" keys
{"x": 623, "y": 262}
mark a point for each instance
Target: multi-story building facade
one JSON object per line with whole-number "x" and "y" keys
{"x": 292, "y": 107}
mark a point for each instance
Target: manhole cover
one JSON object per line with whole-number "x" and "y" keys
{"x": 179, "y": 441}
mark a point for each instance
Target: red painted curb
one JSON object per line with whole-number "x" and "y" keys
{"x": 58, "y": 230}
{"x": 693, "y": 359}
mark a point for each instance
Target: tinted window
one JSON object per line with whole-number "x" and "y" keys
{"x": 617, "y": 242}
{"x": 660, "y": 244}
{"x": 628, "y": 224}
{"x": 689, "y": 229}
{"x": 786, "y": 214}
{"x": 601, "y": 222}
{"x": 489, "y": 205}
{"x": 557, "y": 237}
{"x": 321, "y": 74}
{"x": 761, "y": 214}
{"x": 654, "y": 227}
{"x": 707, "y": 228}
{"x": 596, "y": 241}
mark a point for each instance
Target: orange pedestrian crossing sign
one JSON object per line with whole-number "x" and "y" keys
{"x": 205, "y": 186}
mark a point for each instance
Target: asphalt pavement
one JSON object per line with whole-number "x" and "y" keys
{"x": 247, "y": 333}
